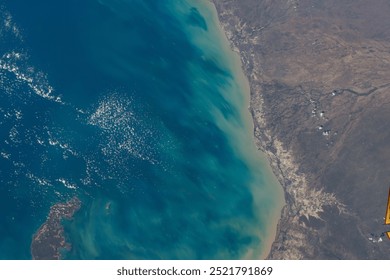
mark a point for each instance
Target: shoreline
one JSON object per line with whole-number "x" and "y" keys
{"x": 285, "y": 70}
{"x": 272, "y": 174}
{"x": 49, "y": 241}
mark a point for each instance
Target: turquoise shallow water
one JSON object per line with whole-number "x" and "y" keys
{"x": 139, "y": 109}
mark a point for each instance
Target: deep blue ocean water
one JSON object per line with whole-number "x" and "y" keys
{"x": 139, "y": 109}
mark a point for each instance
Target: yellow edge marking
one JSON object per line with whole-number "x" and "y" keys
{"x": 387, "y": 217}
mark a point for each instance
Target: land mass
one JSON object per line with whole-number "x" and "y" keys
{"x": 49, "y": 242}
{"x": 319, "y": 74}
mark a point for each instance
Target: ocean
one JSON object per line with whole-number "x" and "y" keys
{"x": 140, "y": 109}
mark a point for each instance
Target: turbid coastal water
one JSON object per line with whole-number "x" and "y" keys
{"x": 140, "y": 110}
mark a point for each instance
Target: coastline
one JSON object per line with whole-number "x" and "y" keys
{"x": 49, "y": 241}
{"x": 291, "y": 235}
{"x": 269, "y": 166}
{"x": 270, "y": 159}
{"x": 285, "y": 55}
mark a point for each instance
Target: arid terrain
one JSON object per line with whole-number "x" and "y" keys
{"x": 49, "y": 241}
{"x": 319, "y": 72}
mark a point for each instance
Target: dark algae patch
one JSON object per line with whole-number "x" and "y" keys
{"x": 196, "y": 19}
